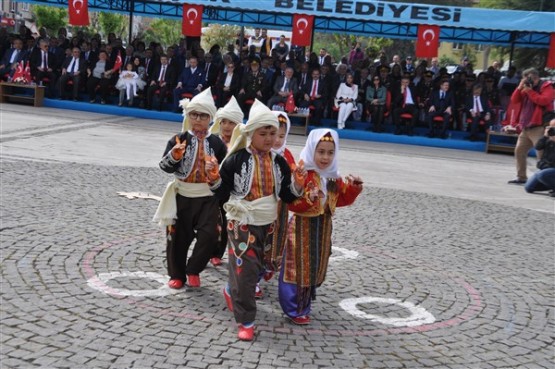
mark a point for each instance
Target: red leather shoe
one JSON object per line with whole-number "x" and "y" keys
{"x": 216, "y": 261}
{"x": 268, "y": 275}
{"x": 245, "y": 334}
{"x": 300, "y": 320}
{"x": 228, "y": 301}
{"x": 258, "y": 292}
{"x": 175, "y": 284}
{"x": 193, "y": 280}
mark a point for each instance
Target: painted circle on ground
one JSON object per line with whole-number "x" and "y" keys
{"x": 419, "y": 315}
{"x": 99, "y": 282}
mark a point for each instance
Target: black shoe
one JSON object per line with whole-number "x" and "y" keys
{"x": 517, "y": 181}
{"x": 551, "y": 193}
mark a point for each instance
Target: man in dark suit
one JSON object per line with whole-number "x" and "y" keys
{"x": 283, "y": 86}
{"x": 90, "y": 57}
{"x": 228, "y": 85}
{"x": 72, "y": 69}
{"x": 211, "y": 71}
{"x": 162, "y": 80}
{"x": 316, "y": 95}
{"x": 8, "y": 63}
{"x": 190, "y": 81}
{"x": 43, "y": 65}
{"x": 404, "y": 100}
{"x": 478, "y": 109}
{"x": 442, "y": 103}
{"x": 149, "y": 62}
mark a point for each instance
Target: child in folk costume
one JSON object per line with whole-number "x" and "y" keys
{"x": 252, "y": 180}
{"x": 129, "y": 83}
{"x": 188, "y": 208}
{"x": 273, "y": 256}
{"x": 308, "y": 248}
{"x": 225, "y": 121}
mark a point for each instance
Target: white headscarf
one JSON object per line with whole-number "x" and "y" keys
{"x": 282, "y": 116}
{"x": 307, "y": 153}
{"x": 231, "y": 111}
{"x": 259, "y": 116}
{"x": 202, "y": 103}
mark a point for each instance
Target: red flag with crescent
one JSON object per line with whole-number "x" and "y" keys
{"x": 302, "y": 29}
{"x": 551, "y": 53}
{"x": 19, "y": 73}
{"x": 427, "y": 44}
{"x": 119, "y": 62}
{"x": 78, "y": 12}
{"x": 192, "y": 20}
{"x": 27, "y": 73}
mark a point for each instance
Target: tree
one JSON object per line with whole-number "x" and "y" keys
{"x": 51, "y": 18}
{"x": 113, "y": 23}
{"x": 219, "y": 34}
{"x": 163, "y": 31}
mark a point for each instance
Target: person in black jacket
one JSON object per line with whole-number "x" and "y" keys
{"x": 544, "y": 179}
{"x": 73, "y": 68}
{"x": 442, "y": 104}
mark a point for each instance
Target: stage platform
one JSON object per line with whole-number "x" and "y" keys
{"x": 353, "y": 131}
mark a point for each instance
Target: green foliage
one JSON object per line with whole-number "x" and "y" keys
{"x": 219, "y": 34}
{"x": 339, "y": 45}
{"x": 445, "y": 60}
{"x": 164, "y": 31}
{"x": 51, "y": 18}
{"x": 113, "y": 22}
{"x": 536, "y": 5}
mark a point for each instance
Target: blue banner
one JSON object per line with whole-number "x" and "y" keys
{"x": 382, "y": 11}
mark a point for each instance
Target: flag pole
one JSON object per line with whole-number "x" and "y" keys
{"x": 132, "y": 8}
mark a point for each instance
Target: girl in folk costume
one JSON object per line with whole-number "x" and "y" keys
{"x": 188, "y": 208}
{"x": 129, "y": 83}
{"x": 273, "y": 255}
{"x": 345, "y": 100}
{"x": 308, "y": 249}
{"x": 253, "y": 178}
{"x": 225, "y": 121}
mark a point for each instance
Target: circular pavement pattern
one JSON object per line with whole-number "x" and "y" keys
{"x": 487, "y": 285}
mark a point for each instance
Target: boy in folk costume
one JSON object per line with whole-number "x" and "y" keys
{"x": 273, "y": 255}
{"x": 309, "y": 241}
{"x": 188, "y": 208}
{"x": 225, "y": 121}
{"x": 252, "y": 180}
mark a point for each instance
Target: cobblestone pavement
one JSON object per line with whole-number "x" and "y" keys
{"x": 425, "y": 273}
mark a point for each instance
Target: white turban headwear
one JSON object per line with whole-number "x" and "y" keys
{"x": 202, "y": 103}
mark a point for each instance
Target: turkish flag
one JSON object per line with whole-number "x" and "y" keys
{"x": 551, "y": 53}
{"x": 78, "y": 12}
{"x": 27, "y": 72}
{"x": 192, "y": 20}
{"x": 119, "y": 62}
{"x": 19, "y": 73}
{"x": 427, "y": 44}
{"x": 302, "y": 29}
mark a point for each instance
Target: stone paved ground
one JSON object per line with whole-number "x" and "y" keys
{"x": 439, "y": 264}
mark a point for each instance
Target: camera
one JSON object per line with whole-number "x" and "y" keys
{"x": 551, "y": 132}
{"x": 529, "y": 82}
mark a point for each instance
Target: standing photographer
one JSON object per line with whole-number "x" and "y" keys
{"x": 533, "y": 97}
{"x": 544, "y": 179}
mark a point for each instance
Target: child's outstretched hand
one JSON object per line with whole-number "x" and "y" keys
{"x": 179, "y": 149}
{"x": 354, "y": 181}
{"x": 212, "y": 169}
{"x": 299, "y": 175}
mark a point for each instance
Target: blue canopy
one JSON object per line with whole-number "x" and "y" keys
{"x": 366, "y": 18}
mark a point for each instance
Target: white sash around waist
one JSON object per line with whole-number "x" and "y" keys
{"x": 167, "y": 209}
{"x": 259, "y": 212}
